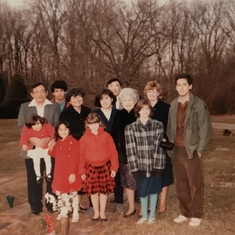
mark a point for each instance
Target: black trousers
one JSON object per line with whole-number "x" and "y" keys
{"x": 35, "y": 189}
{"x": 118, "y": 190}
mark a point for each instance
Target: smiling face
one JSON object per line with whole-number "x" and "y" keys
{"x": 128, "y": 102}
{"x": 115, "y": 87}
{"x": 183, "y": 88}
{"x": 106, "y": 101}
{"x": 39, "y": 94}
{"x": 76, "y": 101}
{"x": 63, "y": 131}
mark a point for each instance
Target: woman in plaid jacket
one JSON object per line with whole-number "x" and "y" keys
{"x": 145, "y": 157}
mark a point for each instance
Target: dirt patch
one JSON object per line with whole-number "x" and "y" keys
{"x": 219, "y": 204}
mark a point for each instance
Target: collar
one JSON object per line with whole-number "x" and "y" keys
{"x": 33, "y": 103}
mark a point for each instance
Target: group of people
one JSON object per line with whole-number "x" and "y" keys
{"x": 116, "y": 147}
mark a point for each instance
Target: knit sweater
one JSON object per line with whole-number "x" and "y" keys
{"x": 96, "y": 150}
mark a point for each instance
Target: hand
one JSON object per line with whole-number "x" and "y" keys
{"x": 164, "y": 140}
{"x": 199, "y": 154}
{"x": 51, "y": 144}
{"x": 39, "y": 142}
{"x": 113, "y": 174}
{"x": 72, "y": 178}
{"x": 25, "y": 147}
{"x": 83, "y": 177}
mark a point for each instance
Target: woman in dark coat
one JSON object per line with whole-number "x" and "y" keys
{"x": 105, "y": 101}
{"x": 153, "y": 92}
{"x": 124, "y": 178}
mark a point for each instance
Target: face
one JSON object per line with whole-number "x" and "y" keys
{"x": 37, "y": 126}
{"x": 39, "y": 94}
{"x": 94, "y": 127}
{"x": 152, "y": 95}
{"x": 128, "y": 102}
{"x": 59, "y": 94}
{"x": 63, "y": 131}
{"x": 183, "y": 87}
{"x": 115, "y": 88}
{"x": 145, "y": 112}
{"x": 106, "y": 101}
{"x": 76, "y": 101}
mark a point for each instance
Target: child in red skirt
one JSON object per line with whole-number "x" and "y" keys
{"x": 99, "y": 164}
{"x": 66, "y": 180}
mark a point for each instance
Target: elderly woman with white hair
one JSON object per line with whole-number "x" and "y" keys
{"x": 124, "y": 179}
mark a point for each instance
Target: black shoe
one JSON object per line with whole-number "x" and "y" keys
{"x": 39, "y": 179}
{"x": 48, "y": 177}
{"x": 36, "y": 212}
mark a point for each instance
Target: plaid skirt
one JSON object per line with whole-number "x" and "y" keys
{"x": 98, "y": 179}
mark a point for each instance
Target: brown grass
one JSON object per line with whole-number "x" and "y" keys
{"x": 219, "y": 203}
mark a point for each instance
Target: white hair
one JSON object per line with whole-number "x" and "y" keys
{"x": 128, "y": 91}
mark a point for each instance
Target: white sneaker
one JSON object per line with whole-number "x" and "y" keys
{"x": 142, "y": 220}
{"x": 151, "y": 221}
{"x": 194, "y": 222}
{"x": 180, "y": 219}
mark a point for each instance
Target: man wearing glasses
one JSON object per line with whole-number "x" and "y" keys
{"x": 41, "y": 106}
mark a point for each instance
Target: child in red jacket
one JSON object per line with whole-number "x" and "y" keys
{"x": 98, "y": 164}
{"x": 66, "y": 181}
{"x": 38, "y": 127}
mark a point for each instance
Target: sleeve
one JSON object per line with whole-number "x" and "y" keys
{"x": 21, "y": 117}
{"x": 82, "y": 161}
{"x": 74, "y": 164}
{"x": 113, "y": 154}
{"x": 56, "y": 115}
{"x": 24, "y": 138}
{"x": 205, "y": 128}
{"x": 50, "y": 130}
{"x": 160, "y": 156}
{"x": 114, "y": 130}
{"x": 131, "y": 149}
{"x": 52, "y": 152}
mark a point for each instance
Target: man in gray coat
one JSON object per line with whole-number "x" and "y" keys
{"x": 51, "y": 111}
{"x": 189, "y": 128}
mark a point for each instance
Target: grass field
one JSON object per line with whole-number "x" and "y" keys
{"x": 219, "y": 202}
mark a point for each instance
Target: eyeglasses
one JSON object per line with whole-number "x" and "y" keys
{"x": 39, "y": 92}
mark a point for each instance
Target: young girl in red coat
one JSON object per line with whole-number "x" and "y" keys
{"x": 66, "y": 180}
{"x": 38, "y": 127}
{"x": 98, "y": 164}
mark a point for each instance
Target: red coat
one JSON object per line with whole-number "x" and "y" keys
{"x": 96, "y": 150}
{"x": 46, "y": 131}
{"x": 66, "y": 154}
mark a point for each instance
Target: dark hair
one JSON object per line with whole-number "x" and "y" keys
{"x": 93, "y": 118}
{"x": 111, "y": 80}
{"x": 38, "y": 84}
{"x": 184, "y": 76}
{"x": 59, "y": 84}
{"x": 140, "y": 105}
{"x": 34, "y": 119}
{"x": 74, "y": 92}
{"x": 67, "y": 125}
{"x": 104, "y": 92}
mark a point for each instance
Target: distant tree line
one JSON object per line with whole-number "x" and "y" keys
{"x": 86, "y": 42}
